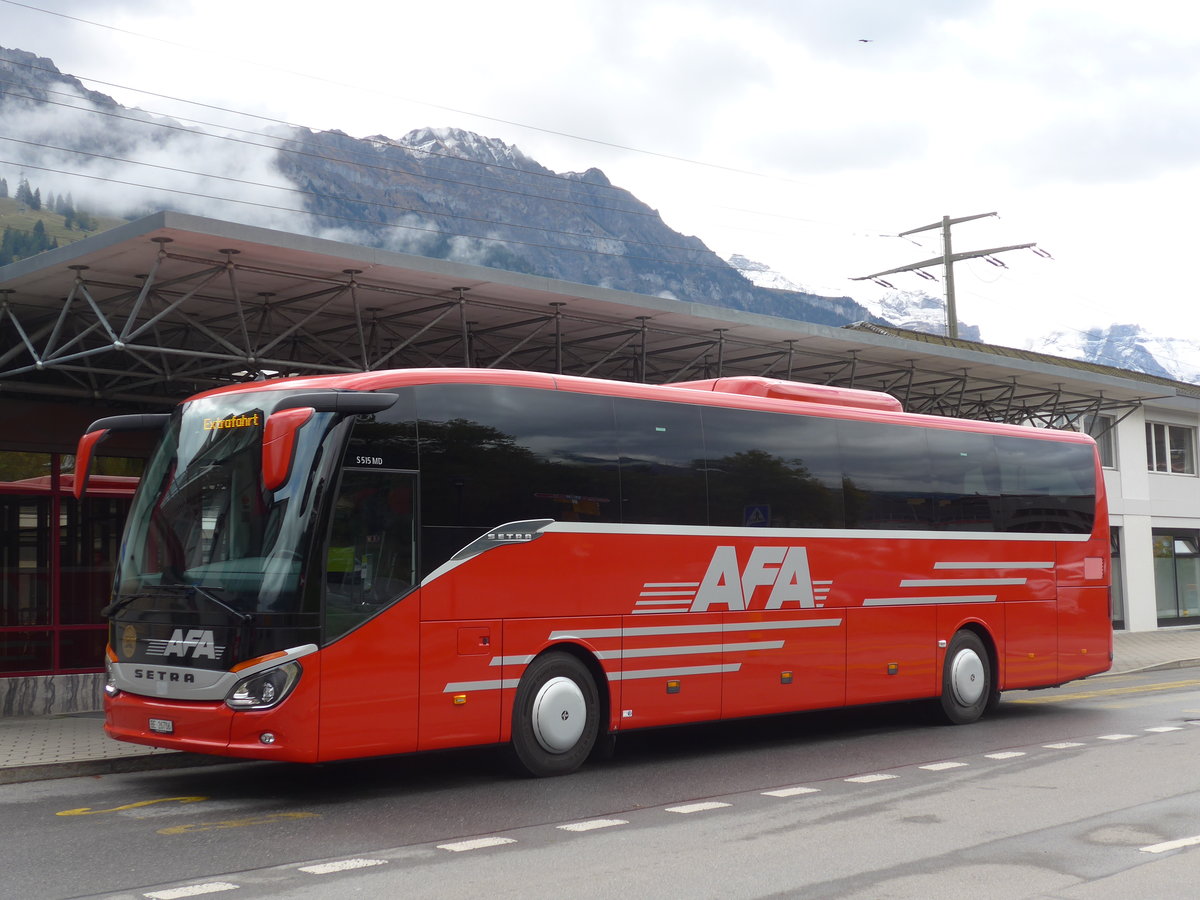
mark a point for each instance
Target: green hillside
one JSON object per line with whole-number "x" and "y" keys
{"x": 20, "y": 221}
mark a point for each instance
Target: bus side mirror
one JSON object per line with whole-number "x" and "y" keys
{"x": 279, "y": 444}
{"x": 83, "y": 459}
{"x": 102, "y": 428}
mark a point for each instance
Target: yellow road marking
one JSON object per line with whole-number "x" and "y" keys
{"x": 1113, "y": 692}
{"x": 237, "y": 823}
{"x": 88, "y": 811}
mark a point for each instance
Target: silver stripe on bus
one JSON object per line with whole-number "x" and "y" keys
{"x": 684, "y": 651}
{"x": 917, "y": 601}
{"x": 671, "y": 673}
{"x": 674, "y": 602}
{"x": 511, "y": 660}
{"x": 993, "y": 565}
{"x": 498, "y": 684}
{"x": 671, "y": 584}
{"x": 691, "y": 593}
{"x": 672, "y": 609}
{"x": 871, "y": 534}
{"x": 713, "y": 628}
{"x": 958, "y": 582}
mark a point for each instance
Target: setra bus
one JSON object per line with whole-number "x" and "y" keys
{"x": 342, "y": 566}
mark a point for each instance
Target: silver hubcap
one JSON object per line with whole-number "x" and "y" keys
{"x": 559, "y": 715}
{"x": 967, "y": 677}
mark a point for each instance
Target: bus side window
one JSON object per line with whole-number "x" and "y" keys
{"x": 371, "y": 556}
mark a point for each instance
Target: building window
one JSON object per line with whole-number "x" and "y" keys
{"x": 1177, "y": 575}
{"x": 1170, "y": 448}
{"x": 1101, "y": 428}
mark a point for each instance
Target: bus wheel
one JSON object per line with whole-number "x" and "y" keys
{"x": 556, "y": 716}
{"x": 966, "y": 679}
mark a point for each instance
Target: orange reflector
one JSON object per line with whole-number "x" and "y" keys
{"x": 260, "y": 659}
{"x": 673, "y": 687}
{"x": 460, "y": 699}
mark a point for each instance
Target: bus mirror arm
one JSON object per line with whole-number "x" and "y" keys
{"x": 344, "y": 403}
{"x": 101, "y": 429}
{"x": 290, "y": 414}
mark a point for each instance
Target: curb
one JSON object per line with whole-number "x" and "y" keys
{"x": 1155, "y": 667}
{"x": 117, "y": 765}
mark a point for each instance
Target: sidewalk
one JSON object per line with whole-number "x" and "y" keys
{"x": 36, "y": 748}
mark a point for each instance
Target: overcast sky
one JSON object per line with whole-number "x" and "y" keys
{"x": 804, "y": 134}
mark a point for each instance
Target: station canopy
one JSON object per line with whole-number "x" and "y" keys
{"x": 150, "y": 312}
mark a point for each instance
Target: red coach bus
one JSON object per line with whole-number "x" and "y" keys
{"x": 345, "y": 566}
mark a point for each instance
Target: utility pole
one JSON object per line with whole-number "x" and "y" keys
{"x": 947, "y": 260}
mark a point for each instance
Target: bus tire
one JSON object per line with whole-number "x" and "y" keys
{"x": 966, "y": 679}
{"x": 556, "y": 716}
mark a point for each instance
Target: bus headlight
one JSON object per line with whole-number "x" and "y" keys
{"x": 110, "y": 680}
{"x": 264, "y": 689}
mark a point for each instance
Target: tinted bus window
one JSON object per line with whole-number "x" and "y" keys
{"x": 386, "y": 440}
{"x": 492, "y": 454}
{"x": 662, "y": 463}
{"x": 1047, "y": 486}
{"x": 772, "y": 470}
{"x": 887, "y": 481}
{"x": 964, "y": 480}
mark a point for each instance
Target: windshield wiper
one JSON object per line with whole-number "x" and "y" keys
{"x": 117, "y": 605}
{"x": 243, "y": 617}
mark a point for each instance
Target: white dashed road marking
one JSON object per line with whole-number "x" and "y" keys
{"x": 191, "y": 890}
{"x": 791, "y": 792}
{"x": 342, "y": 865}
{"x": 942, "y": 766}
{"x": 867, "y": 779}
{"x": 697, "y": 807}
{"x": 1172, "y": 845}
{"x": 592, "y": 825}
{"x": 476, "y": 844}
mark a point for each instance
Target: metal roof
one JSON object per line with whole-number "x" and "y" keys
{"x": 172, "y": 304}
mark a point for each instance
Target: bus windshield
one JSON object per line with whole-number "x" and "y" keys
{"x": 203, "y": 519}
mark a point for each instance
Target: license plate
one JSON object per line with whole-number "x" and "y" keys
{"x": 162, "y": 726}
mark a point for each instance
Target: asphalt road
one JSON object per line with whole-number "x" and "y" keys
{"x": 1058, "y": 794}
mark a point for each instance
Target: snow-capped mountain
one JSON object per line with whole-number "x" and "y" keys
{"x": 1121, "y": 346}
{"x": 1126, "y": 347}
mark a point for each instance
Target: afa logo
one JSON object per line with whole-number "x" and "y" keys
{"x": 772, "y": 578}
{"x": 199, "y": 642}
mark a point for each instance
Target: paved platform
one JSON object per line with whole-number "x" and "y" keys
{"x": 36, "y": 748}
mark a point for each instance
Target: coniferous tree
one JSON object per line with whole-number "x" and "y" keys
{"x": 3, "y": 187}
{"x": 36, "y": 202}
{"x": 24, "y": 193}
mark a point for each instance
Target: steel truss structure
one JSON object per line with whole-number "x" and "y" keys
{"x": 179, "y": 320}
